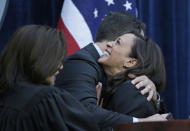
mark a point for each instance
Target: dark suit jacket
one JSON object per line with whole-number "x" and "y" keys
{"x": 79, "y": 76}
{"x": 128, "y": 100}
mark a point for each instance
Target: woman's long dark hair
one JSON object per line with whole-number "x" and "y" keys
{"x": 33, "y": 53}
{"x": 150, "y": 62}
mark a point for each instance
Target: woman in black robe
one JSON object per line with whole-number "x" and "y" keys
{"x": 28, "y": 99}
{"x": 129, "y": 54}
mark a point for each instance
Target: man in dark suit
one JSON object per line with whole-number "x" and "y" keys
{"x": 81, "y": 72}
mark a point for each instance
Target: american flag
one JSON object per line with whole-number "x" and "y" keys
{"x": 80, "y": 19}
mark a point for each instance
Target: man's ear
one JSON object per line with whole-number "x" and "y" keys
{"x": 130, "y": 62}
{"x": 142, "y": 32}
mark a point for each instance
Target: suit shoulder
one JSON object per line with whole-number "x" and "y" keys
{"x": 126, "y": 83}
{"x": 127, "y": 88}
{"x": 88, "y": 53}
{"x": 80, "y": 55}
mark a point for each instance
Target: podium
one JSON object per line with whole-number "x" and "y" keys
{"x": 172, "y": 125}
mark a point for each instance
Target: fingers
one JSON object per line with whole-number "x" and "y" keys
{"x": 155, "y": 117}
{"x": 150, "y": 95}
{"x": 98, "y": 90}
{"x": 158, "y": 117}
{"x": 154, "y": 98}
{"x": 140, "y": 81}
{"x": 151, "y": 91}
{"x": 149, "y": 87}
{"x": 101, "y": 102}
{"x": 146, "y": 90}
{"x": 165, "y": 115}
{"x": 169, "y": 116}
{"x": 99, "y": 85}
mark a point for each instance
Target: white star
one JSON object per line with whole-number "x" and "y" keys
{"x": 128, "y": 5}
{"x": 103, "y": 17}
{"x": 95, "y": 13}
{"x": 109, "y": 2}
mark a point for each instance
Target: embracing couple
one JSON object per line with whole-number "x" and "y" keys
{"x": 127, "y": 65}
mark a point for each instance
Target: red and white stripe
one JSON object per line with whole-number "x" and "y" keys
{"x": 73, "y": 24}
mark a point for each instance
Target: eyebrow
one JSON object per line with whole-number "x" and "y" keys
{"x": 122, "y": 41}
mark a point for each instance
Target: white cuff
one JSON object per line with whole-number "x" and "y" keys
{"x": 135, "y": 120}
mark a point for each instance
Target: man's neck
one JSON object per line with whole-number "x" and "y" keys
{"x": 101, "y": 45}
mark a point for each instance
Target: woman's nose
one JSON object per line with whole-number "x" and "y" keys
{"x": 110, "y": 44}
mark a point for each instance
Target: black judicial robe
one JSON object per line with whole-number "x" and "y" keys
{"x": 31, "y": 107}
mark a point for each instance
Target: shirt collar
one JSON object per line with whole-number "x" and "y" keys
{"x": 98, "y": 50}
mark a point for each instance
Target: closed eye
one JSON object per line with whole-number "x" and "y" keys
{"x": 118, "y": 41}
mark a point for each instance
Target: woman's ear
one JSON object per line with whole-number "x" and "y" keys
{"x": 130, "y": 63}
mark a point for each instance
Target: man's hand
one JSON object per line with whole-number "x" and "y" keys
{"x": 144, "y": 81}
{"x": 156, "y": 117}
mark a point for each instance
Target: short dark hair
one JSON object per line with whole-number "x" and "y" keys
{"x": 33, "y": 53}
{"x": 150, "y": 62}
{"x": 116, "y": 24}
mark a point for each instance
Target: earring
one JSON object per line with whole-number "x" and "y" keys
{"x": 124, "y": 67}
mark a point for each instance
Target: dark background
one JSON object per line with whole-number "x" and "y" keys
{"x": 167, "y": 21}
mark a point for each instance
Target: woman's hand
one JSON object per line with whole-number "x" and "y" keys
{"x": 149, "y": 87}
{"x": 99, "y": 90}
